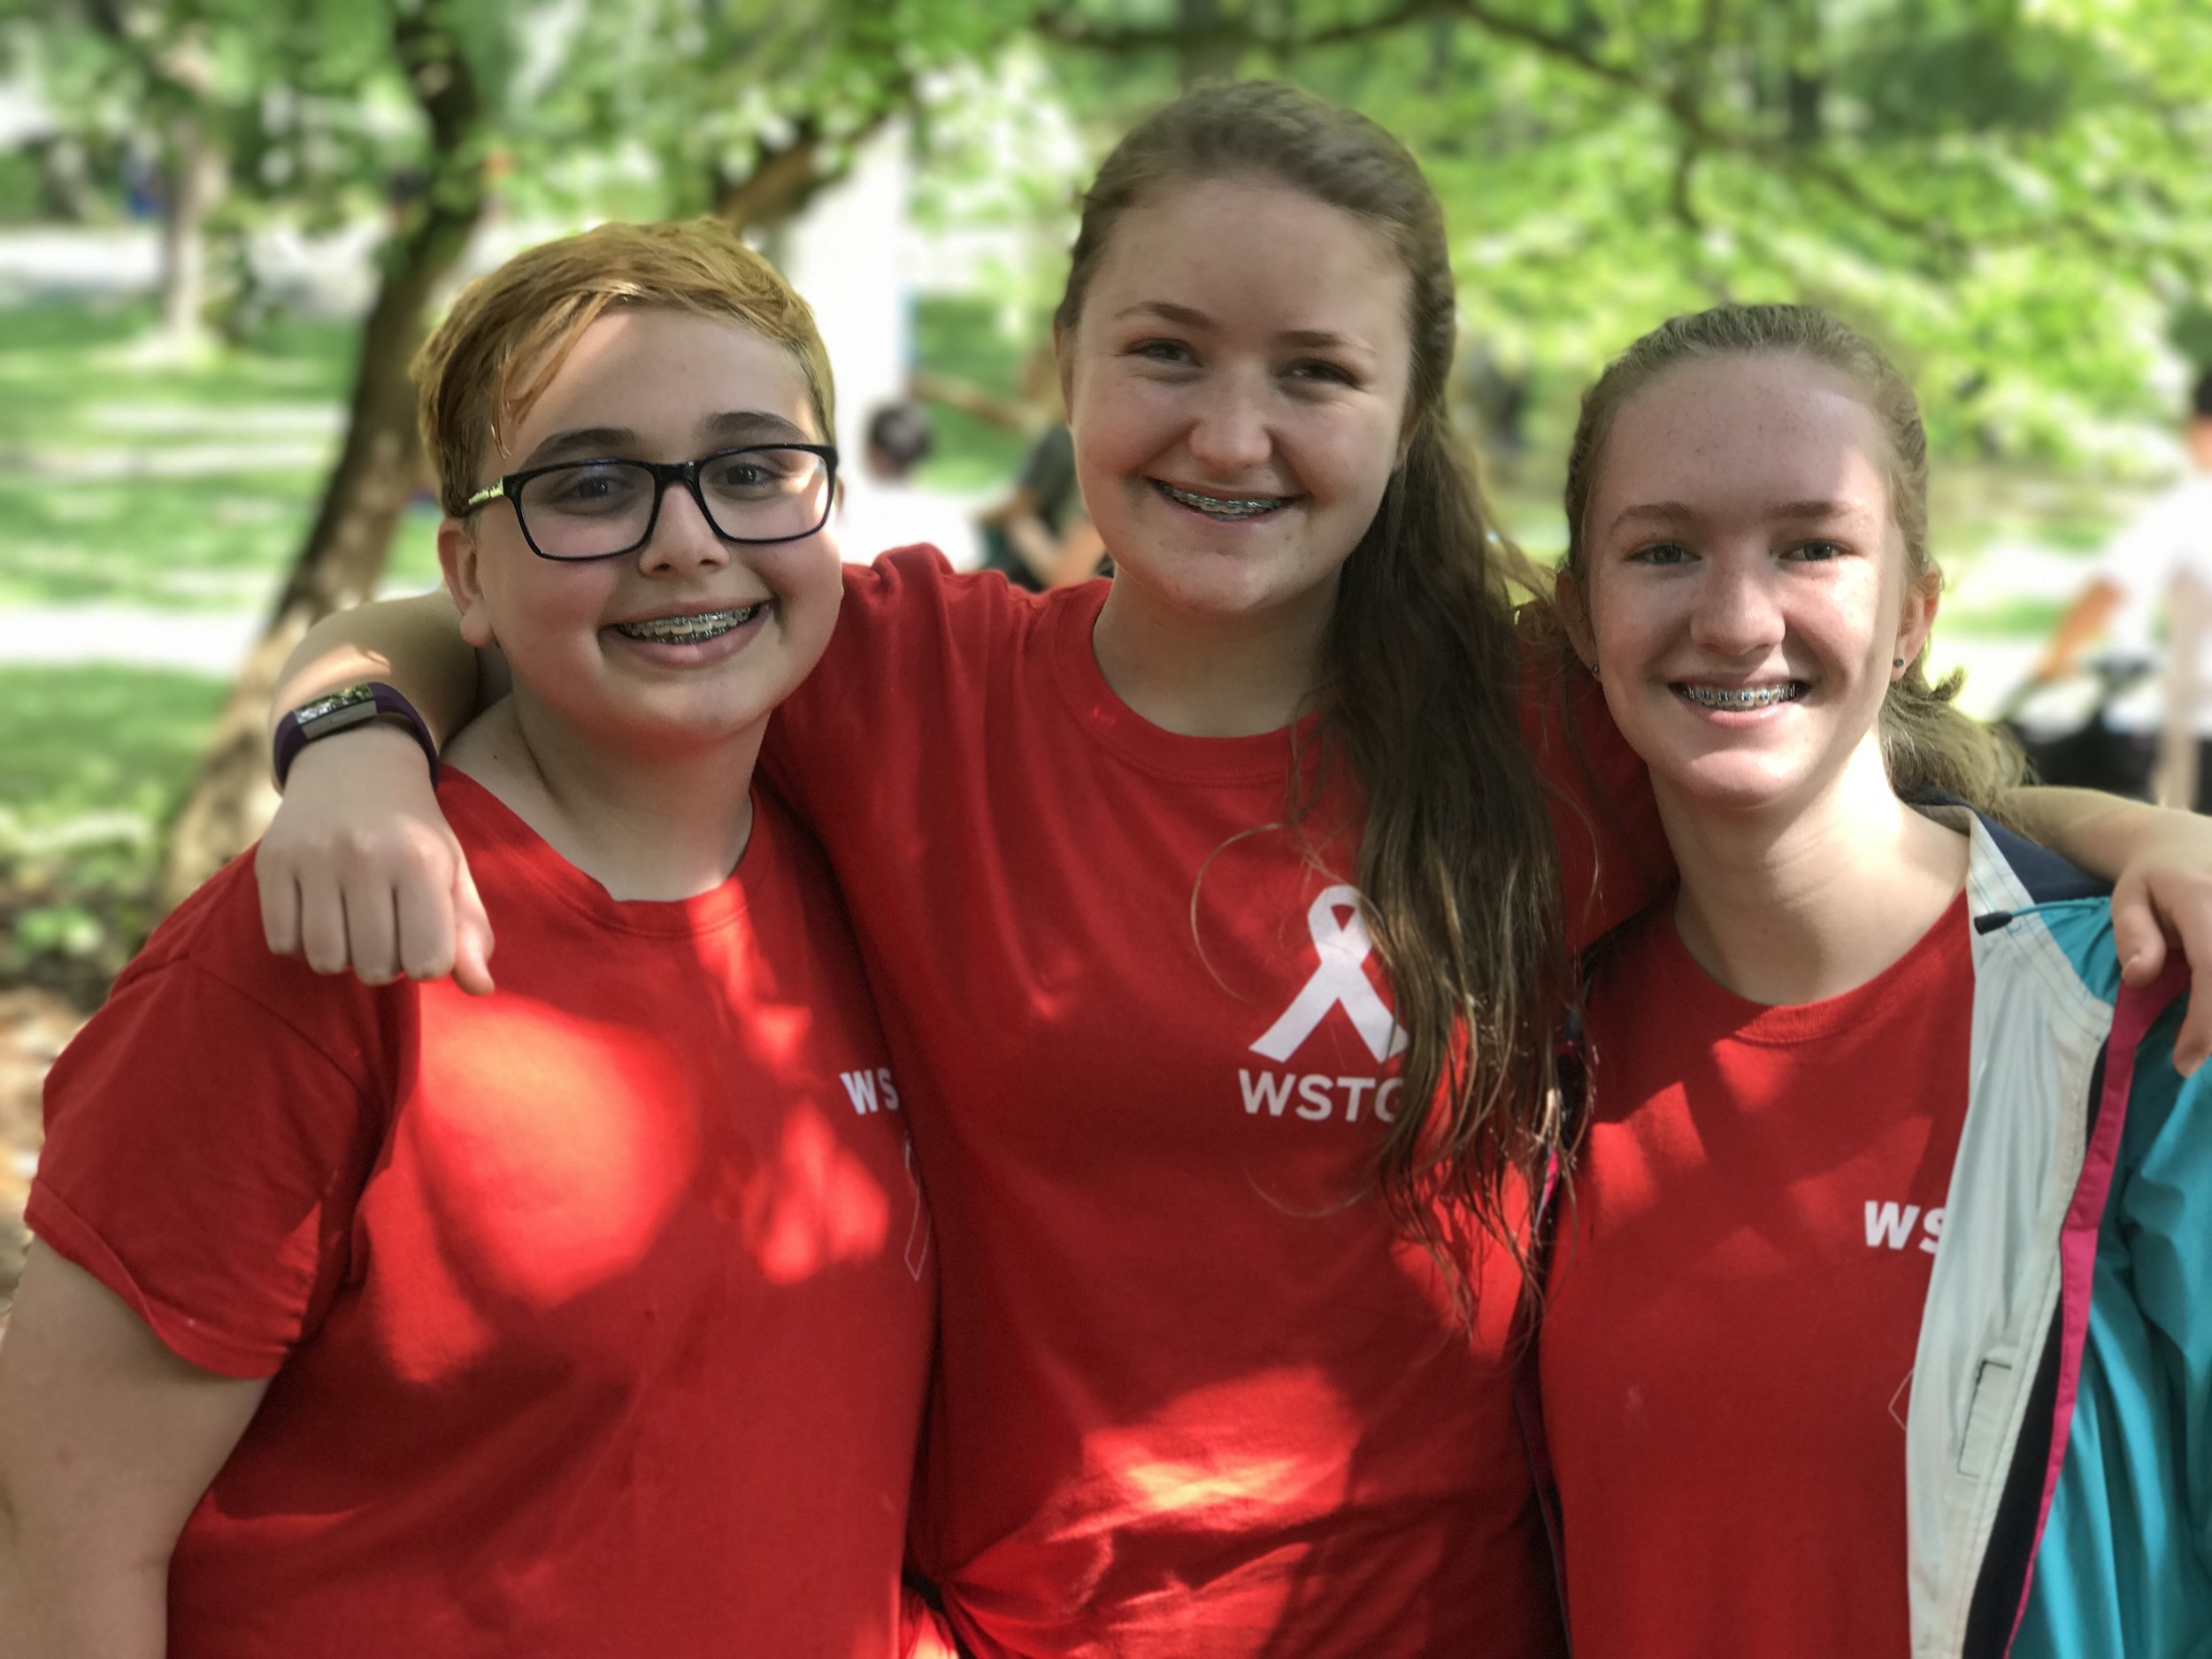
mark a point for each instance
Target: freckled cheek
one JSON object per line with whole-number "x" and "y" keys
{"x": 1633, "y": 624}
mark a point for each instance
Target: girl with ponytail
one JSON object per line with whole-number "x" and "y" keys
{"x": 1882, "y": 1278}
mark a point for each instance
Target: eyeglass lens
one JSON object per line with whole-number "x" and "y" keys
{"x": 597, "y": 509}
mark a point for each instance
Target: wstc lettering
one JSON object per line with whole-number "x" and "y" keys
{"x": 870, "y": 1091}
{"x": 1891, "y": 1225}
{"x": 1319, "y": 1098}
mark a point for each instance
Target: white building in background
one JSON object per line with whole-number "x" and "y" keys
{"x": 856, "y": 256}
{"x": 850, "y": 255}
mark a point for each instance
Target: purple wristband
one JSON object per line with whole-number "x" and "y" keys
{"x": 347, "y": 707}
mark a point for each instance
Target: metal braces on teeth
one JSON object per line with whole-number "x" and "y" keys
{"x": 684, "y": 630}
{"x": 1743, "y": 697}
{"x": 1226, "y": 506}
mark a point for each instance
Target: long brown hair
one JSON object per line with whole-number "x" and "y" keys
{"x": 1457, "y": 864}
{"x": 1927, "y": 742}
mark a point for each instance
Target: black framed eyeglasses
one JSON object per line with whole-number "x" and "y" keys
{"x": 601, "y": 510}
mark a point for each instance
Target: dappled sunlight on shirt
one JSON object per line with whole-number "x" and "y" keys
{"x": 816, "y": 1205}
{"x": 555, "y": 1148}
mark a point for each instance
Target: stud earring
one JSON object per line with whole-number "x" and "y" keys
{"x": 1897, "y": 662}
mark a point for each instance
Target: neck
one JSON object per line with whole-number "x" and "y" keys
{"x": 1796, "y": 903}
{"x": 1208, "y": 675}
{"x": 644, "y": 821}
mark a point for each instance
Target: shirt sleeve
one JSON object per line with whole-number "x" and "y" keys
{"x": 203, "y": 1159}
{"x": 891, "y": 672}
{"x": 2165, "y": 1212}
{"x": 1613, "y": 854}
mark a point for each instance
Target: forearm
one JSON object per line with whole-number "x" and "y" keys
{"x": 2099, "y": 832}
{"x": 413, "y": 644}
{"x": 61, "y": 1597}
{"x": 2083, "y": 621}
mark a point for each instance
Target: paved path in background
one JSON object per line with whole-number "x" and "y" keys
{"x": 67, "y": 635}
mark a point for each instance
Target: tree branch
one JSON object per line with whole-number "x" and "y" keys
{"x": 1701, "y": 134}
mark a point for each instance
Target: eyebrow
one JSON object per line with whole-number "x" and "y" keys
{"x": 732, "y": 426}
{"x": 583, "y": 442}
{"x": 1168, "y": 310}
{"x": 1682, "y": 512}
{"x": 752, "y": 426}
{"x": 1189, "y": 317}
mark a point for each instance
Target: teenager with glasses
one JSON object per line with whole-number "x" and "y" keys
{"x": 592, "y": 1318}
{"x": 1218, "y": 921}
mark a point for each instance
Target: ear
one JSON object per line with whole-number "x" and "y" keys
{"x": 1916, "y": 618}
{"x": 1572, "y": 600}
{"x": 463, "y": 564}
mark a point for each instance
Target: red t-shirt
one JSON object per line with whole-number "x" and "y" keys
{"x": 1735, "y": 1301}
{"x": 1195, "y": 1398}
{"x": 598, "y": 1310}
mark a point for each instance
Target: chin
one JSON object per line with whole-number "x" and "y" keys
{"x": 1734, "y": 783}
{"x": 1229, "y": 584}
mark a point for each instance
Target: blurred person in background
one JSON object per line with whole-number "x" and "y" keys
{"x": 1040, "y": 536}
{"x": 884, "y": 508}
{"x": 2159, "y": 562}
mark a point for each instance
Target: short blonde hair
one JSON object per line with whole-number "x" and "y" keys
{"x": 479, "y": 374}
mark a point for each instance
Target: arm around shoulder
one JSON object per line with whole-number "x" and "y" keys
{"x": 107, "y": 1441}
{"x": 358, "y": 870}
{"x": 412, "y": 644}
{"x": 2160, "y": 863}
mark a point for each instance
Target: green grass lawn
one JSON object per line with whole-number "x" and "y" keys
{"x": 93, "y": 760}
{"x": 97, "y": 742}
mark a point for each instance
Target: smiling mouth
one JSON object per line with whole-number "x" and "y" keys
{"x": 690, "y": 630}
{"x": 1223, "y": 506}
{"x": 1739, "y": 698}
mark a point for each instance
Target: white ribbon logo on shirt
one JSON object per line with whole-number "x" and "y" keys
{"x": 1340, "y": 981}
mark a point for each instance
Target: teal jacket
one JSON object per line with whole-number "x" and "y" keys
{"x": 2059, "y": 1438}
{"x": 2060, "y": 1435}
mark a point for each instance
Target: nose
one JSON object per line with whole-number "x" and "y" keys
{"x": 1739, "y": 612}
{"x": 1229, "y": 434}
{"x": 683, "y": 540}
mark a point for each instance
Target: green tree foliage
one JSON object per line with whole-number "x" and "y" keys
{"x": 2013, "y": 196}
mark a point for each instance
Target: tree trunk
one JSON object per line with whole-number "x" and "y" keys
{"x": 378, "y": 468}
{"x": 1210, "y": 53}
{"x": 785, "y": 178}
{"x": 781, "y": 182}
{"x": 195, "y": 177}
